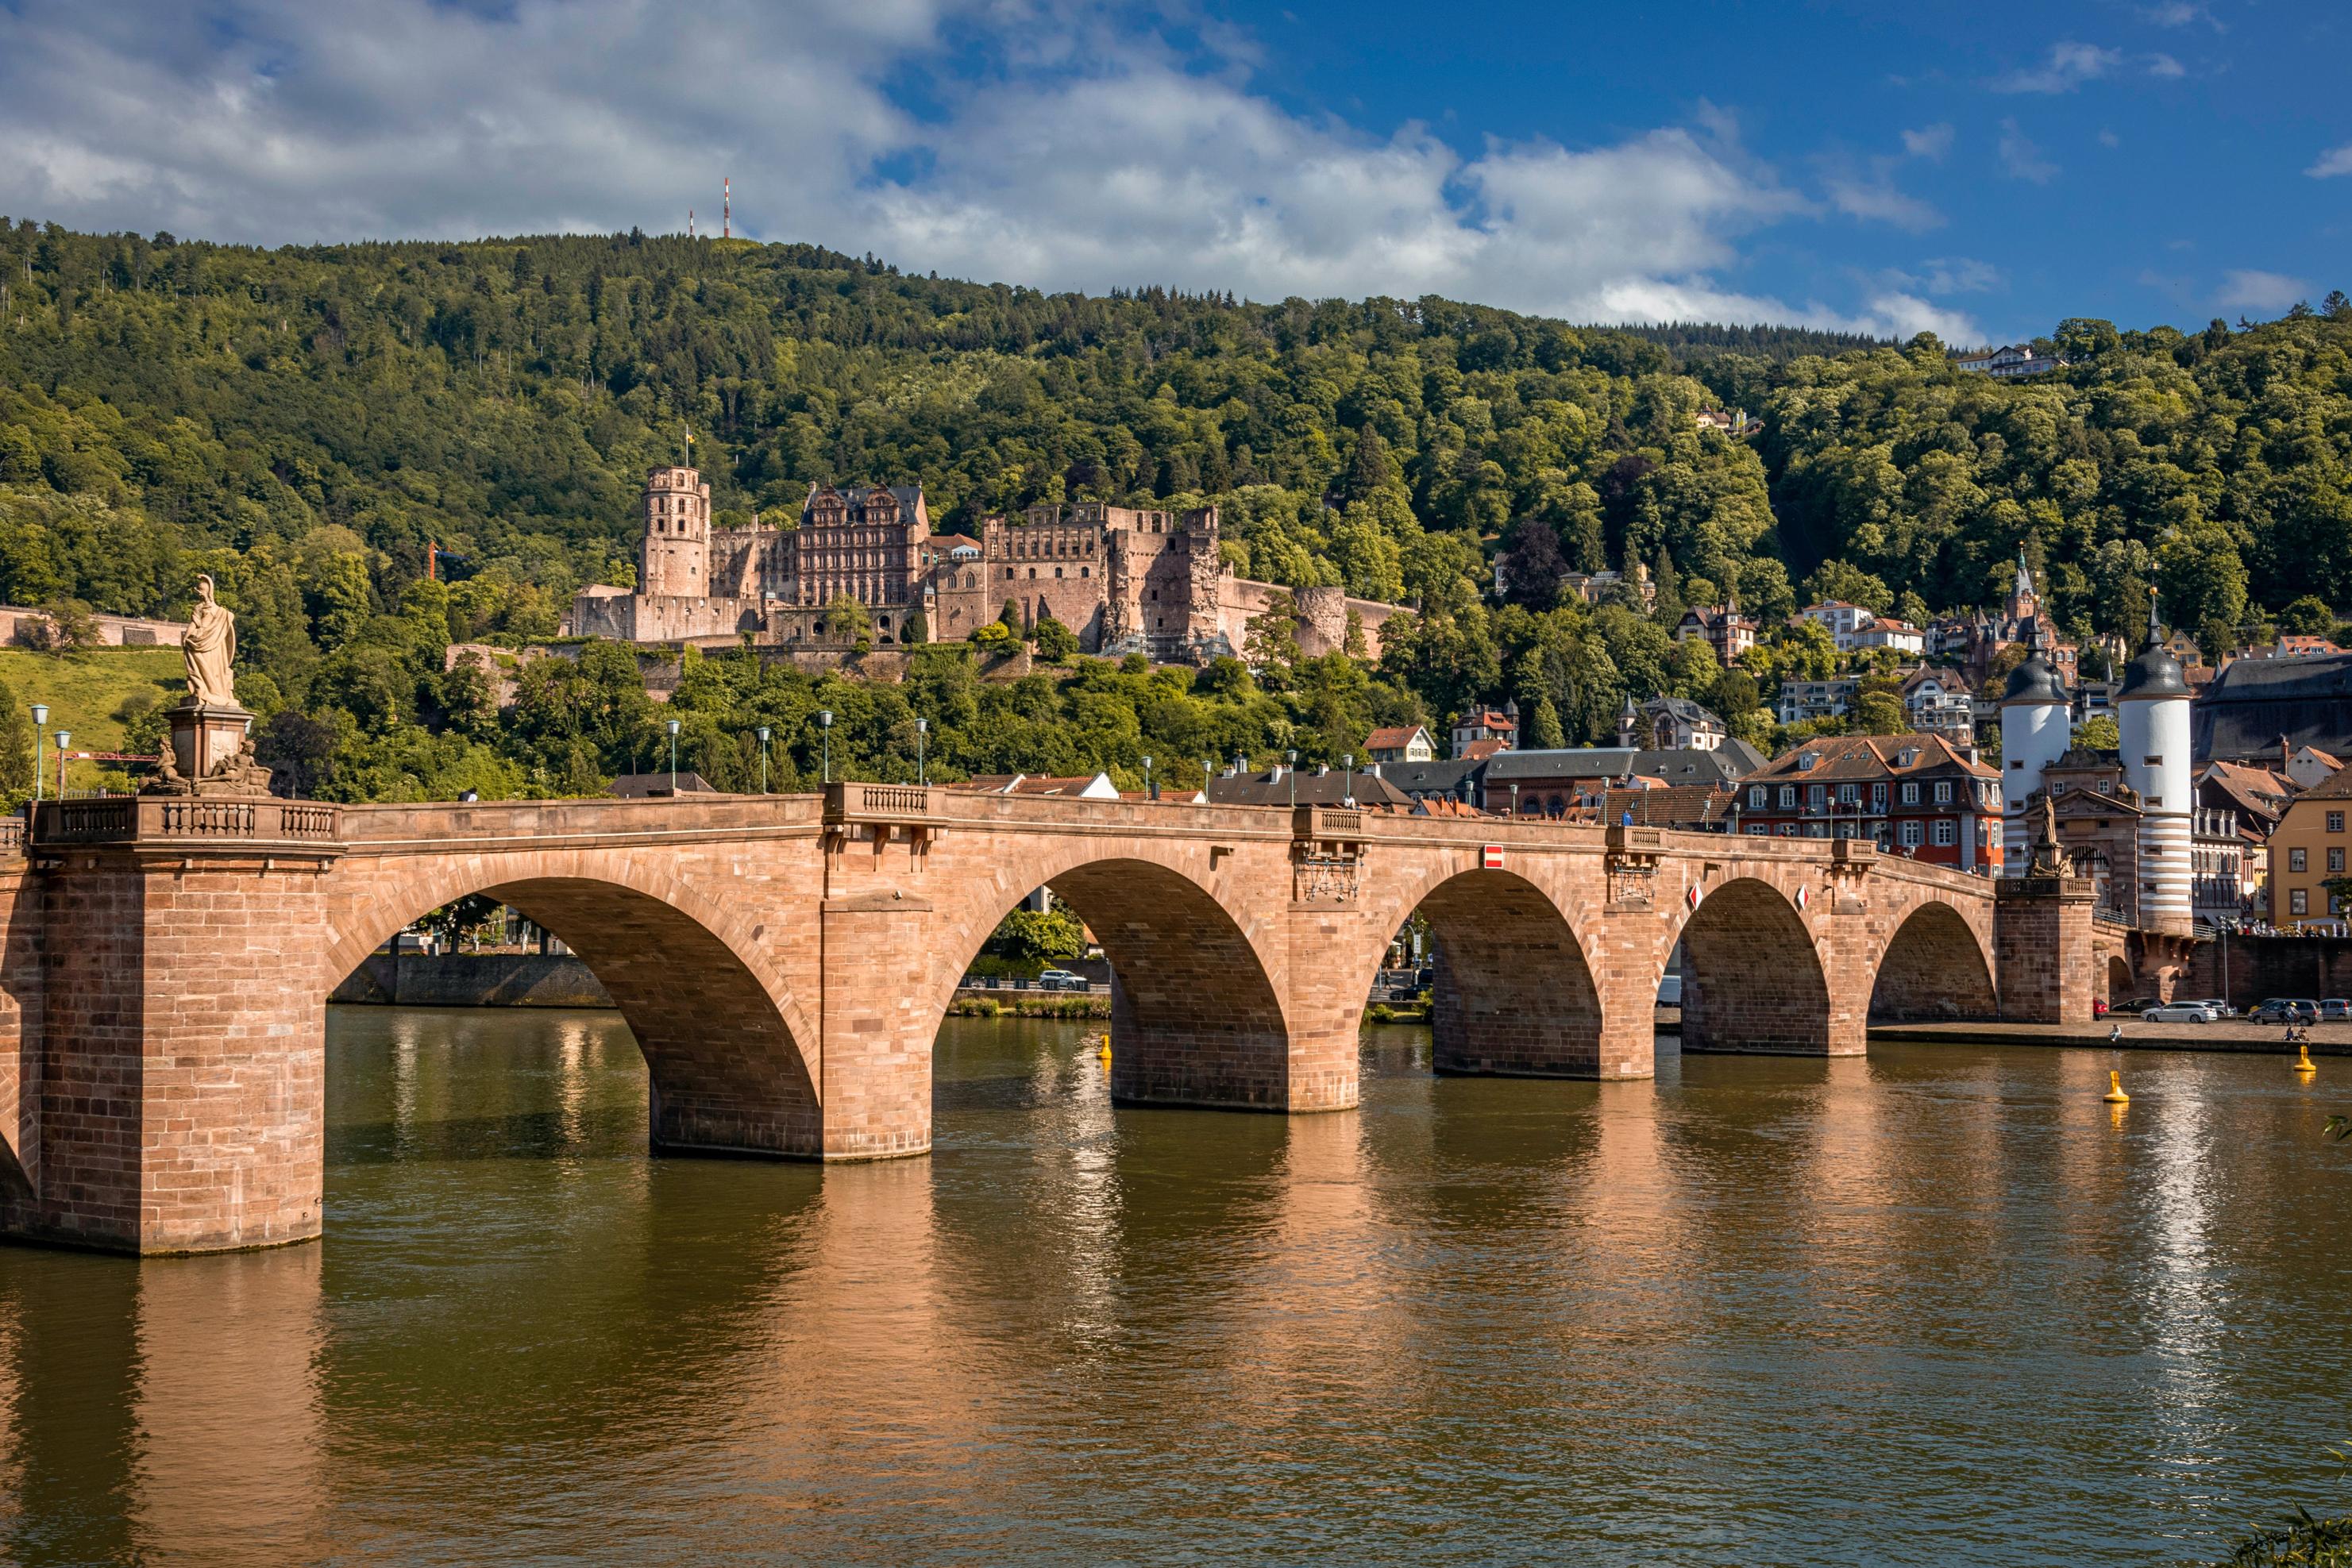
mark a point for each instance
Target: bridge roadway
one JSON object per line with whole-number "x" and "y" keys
{"x": 784, "y": 962}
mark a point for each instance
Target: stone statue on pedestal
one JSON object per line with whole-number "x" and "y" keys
{"x": 210, "y": 751}
{"x": 210, "y": 648}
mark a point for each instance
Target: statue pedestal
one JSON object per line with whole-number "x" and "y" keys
{"x": 208, "y": 753}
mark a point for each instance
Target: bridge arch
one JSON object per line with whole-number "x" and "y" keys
{"x": 726, "y": 1047}
{"x": 1196, "y": 1015}
{"x": 1752, "y": 975}
{"x": 1933, "y": 967}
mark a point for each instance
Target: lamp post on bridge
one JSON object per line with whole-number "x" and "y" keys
{"x": 65, "y": 739}
{"x": 922, "y": 727}
{"x": 1294, "y": 779}
{"x": 1349, "y": 797}
{"x": 763, "y": 760}
{"x": 1146, "y": 778}
{"x": 40, "y": 737}
{"x": 673, "y": 757}
{"x": 824, "y": 728}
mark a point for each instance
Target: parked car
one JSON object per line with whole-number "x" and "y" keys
{"x": 2286, "y": 1009}
{"x": 1062, "y": 980}
{"x": 2218, "y": 1006}
{"x": 2334, "y": 1009}
{"x": 2098, "y": 1007}
{"x": 2178, "y": 1012}
{"x": 1670, "y": 991}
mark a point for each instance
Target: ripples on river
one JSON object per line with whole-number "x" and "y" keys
{"x": 1933, "y": 1307}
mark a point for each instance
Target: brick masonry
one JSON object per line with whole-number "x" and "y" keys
{"x": 785, "y": 962}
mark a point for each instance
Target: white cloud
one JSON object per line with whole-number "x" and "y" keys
{"x": 2334, "y": 162}
{"x": 1960, "y": 275}
{"x": 2020, "y": 159}
{"x": 1929, "y": 141}
{"x": 2068, "y": 68}
{"x": 2108, "y": 138}
{"x": 2246, "y": 289}
{"x": 2180, "y": 14}
{"x": 2165, "y": 66}
{"x": 1876, "y": 198}
{"x": 1049, "y": 147}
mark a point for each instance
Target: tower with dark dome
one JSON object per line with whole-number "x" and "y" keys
{"x": 2152, "y": 718}
{"x": 2036, "y": 726}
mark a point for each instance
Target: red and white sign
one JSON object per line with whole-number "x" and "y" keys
{"x": 1691, "y": 896}
{"x": 1491, "y": 858}
{"x": 1804, "y": 898}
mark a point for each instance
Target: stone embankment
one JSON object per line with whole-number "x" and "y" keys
{"x": 2236, "y": 1034}
{"x": 473, "y": 980}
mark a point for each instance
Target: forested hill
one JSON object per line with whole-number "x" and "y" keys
{"x": 504, "y": 396}
{"x": 301, "y": 421}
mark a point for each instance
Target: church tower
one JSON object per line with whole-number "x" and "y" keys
{"x": 677, "y": 560}
{"x": 2153, "y": 722}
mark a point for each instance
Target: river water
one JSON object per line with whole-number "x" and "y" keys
{"x": 1933, "y": 1307}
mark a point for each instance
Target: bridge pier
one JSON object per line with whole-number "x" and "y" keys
{"x": 182, "y": 1069}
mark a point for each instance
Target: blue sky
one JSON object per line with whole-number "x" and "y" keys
{"x": 1979, "y": 171}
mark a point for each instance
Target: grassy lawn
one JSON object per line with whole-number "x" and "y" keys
{"x": 83, "y": 690}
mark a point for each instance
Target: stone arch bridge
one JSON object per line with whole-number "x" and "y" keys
{"x": 785, "y": 962}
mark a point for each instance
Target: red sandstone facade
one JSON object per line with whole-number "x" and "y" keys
{"x": 785, "y": 962}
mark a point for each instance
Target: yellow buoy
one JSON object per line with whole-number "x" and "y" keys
{"x": 2114, "y": 1094}
{"x": 2303, "y": 1062}
{"x": 1104, "y": 1053}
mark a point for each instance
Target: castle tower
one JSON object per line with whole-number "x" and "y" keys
{"x": 2036, "y": 726}
{"x": 2153, "y": 721}
{"x": 677, "y": 560}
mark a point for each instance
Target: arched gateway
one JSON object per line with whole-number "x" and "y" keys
{"x": 785, "y": 962}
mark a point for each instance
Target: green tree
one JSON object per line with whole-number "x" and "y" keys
{"x": 1057, "y": 644}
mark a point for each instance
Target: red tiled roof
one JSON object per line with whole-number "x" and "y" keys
{"x": 1395, "y": 736}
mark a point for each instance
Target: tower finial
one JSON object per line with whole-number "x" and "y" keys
{"x": 2154, "y": 628}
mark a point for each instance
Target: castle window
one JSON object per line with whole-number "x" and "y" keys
{"x": 1085, "y": 571}
{"x": 1032, "y": 571}
{"x": 1008, "y": 574}
{"x": 1057, "y": 571}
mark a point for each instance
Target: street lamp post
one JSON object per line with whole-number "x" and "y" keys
{"x": 40, "y": 733}
{"x": 1294, "y": 778}
{"x": 824, "y": 728}
{"x": 922, "y": 773}
{"x": 763, "y": 760}
{"x": 1350, "y": 761}
{"x": 1146, "y": 778}
{"x": 65, "y": 739}
{"x": 673, "y": 757}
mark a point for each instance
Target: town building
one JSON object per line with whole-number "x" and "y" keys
{"x": 1802, "y": 702}
{"x": 1281, "y": 785}
{"x": 2307, "y": 766}
{"x": 1071, "y": 786}
{"x": 1555, "y": 783}
{"x": 1492, "y": 728}
{"x": 1842, "y": 621}
{"x": 1595, "y": 586}
{"x": 1401, "y": 743}
{"x": 1453, "y": 780}
{"x": 1669, "y": 723}
{"x": 1939, "y": 703}
{"x": 1914, "y": 795}
{"x": 1123, "y": 580}
{"x": 2254, "y": 703}
{"x": 2009, "y": 363}
{"x": 2306, "y": 849}
{"x": 1722, "y": 627}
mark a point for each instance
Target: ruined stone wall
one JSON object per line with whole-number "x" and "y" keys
{"x": 2258, "y": 967}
